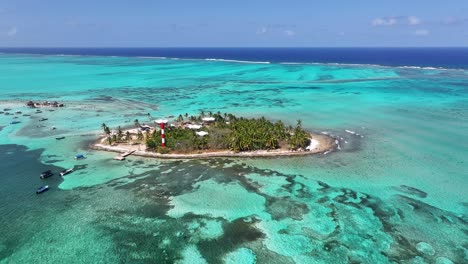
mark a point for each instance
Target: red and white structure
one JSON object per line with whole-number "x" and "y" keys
{"x": 162, "y": 123}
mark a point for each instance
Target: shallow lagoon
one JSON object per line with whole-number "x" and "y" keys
{"x": 395, "y": 194}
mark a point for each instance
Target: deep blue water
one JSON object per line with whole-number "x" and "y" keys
{"x": 421, "y": 57}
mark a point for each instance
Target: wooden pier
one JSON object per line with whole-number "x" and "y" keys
{"x": 123, "y": 155}
{"x": 128, "y": 153}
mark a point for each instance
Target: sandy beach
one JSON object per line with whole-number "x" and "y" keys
{"x": 319, "y": 144}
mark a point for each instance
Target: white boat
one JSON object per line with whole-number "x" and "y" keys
{"x": 65, "y": 172}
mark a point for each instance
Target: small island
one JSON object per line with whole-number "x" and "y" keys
{"x": 213, "y": 135}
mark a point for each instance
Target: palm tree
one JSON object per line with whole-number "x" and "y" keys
{"x": 127, "y": 136}
{"x": 136, "y": 123}
{"x": 109, "y": 140}
{"x": 180, "y": 118}
{"x": 202, "y": 113}
{"x": 299, "y": 123}
{"x": 119, "y": 134}
{"x": 103, "y": 126}
{"x": 140, "y": 135}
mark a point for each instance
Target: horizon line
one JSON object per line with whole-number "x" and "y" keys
{"x": 230, "y": 47}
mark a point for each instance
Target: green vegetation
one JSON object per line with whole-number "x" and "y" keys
{"x": 230, "y": 132}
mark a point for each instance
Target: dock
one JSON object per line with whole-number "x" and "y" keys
{"x": 128, "y": 153}
{"x": 123, "y": 155}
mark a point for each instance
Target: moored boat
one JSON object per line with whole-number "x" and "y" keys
{"x": 14, "y": 122}
{"x": 42, "y": 189}
{"x": 65, "y": 172}
{"x": 46, "y": 174}
{"x": 43, "y": 119}
{"x": 79, "y": 157}
{"x": 59, "y": 138}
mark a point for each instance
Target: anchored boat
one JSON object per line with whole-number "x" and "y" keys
{"x": 42, "y": 189}
{"x": 79, "y": 157}
{"x": 46, "y": 174}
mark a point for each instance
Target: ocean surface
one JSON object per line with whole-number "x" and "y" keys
{"x": 394, "y": 192}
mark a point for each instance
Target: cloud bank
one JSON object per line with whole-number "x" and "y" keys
{"x": 396, "y": 20}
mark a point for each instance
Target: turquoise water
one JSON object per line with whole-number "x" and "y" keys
{"x": 395, "y": 193}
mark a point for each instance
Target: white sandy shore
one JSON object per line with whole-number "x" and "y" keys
{"x": 319, "y": 144}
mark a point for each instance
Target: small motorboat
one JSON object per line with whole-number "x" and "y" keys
{"x": 43, "y": 119}
{"x": 59, "y": 138}
{"x": 46, "y": 174}
{"x": 65, "y": 172}
{"x": 38, "y": 111}
{"x": 26, "y": 115}
{"x": 6, "y": 109}
{"x": 14, "y": 122}
{"x": 18, "y": 112}
{"x": 42, "y": 189}
{"x": 80, "y": 156}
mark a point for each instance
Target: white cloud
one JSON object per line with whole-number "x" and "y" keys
{"x": 413, "y": 21}
{"x": 396, "y": 20}
{"x": 262, "y": 30}
{"x": 385, "y": 21}
{"x": 289, "y": 33}
{"x": 422, "y": 32}
{"x": 12, "y": 32}
{"x": 449, "y": 21}
{"x": 275, "y": 29}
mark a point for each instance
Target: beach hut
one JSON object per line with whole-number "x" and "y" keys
{"x": 161, "y": 121}
{"x": 192, "y": 126}
{"x": 201, "y": 133}
{"x": 208, "y": 119}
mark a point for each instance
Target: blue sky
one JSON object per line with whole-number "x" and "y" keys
{"x": 241, "y": 23}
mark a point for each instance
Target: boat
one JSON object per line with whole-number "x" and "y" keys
{"x": 38, "y": 111}
{"x": 43, "y": 119}
{"x": 79, "y": 156}
{"x": 65, "y": 172}
{"x": 59, "y": 138}
{"x": 46, "y": 174}
{"x": 42, "y": 189}
{"x": 18, "y": 112}
{"x": 6, "y": 109}
{"x": 26, "y": 115}
{"x": 14, "y": 122}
